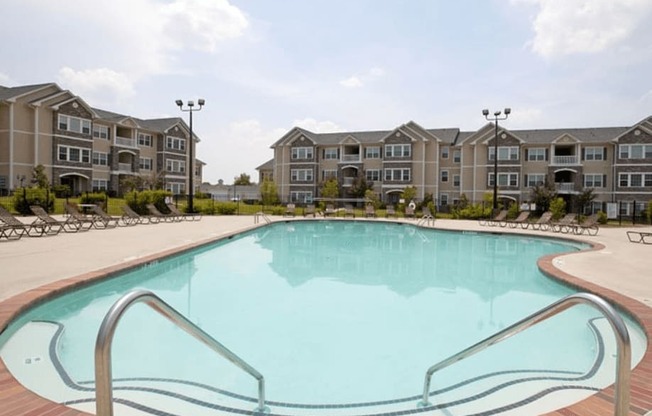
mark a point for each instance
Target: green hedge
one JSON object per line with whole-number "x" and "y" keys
{"x": 25, "y": 197}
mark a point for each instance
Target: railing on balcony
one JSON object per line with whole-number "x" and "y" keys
{"x": 124, "y": 167}
{"x": 347, "y": 181}
{"x": 566, "y": 160}
{"x": 565, "y": 186}
{"x": 125, "y": 141}
{"x": 351, "y": 158}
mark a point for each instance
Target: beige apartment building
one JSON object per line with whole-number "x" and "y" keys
{"x": 616, "y": 162}
{"x": 86, "y": 148}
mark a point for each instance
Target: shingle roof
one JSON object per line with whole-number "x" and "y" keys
{"x": 586, "y": 135}
{"x": 10, "y": 92}
{"x": 269, "y": 165}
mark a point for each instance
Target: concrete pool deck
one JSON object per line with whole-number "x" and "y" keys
{"x": 34, "y": 268}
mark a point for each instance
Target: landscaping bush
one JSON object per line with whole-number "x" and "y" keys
{"x": 602, "y": 217}
{"x": 512, "y": 211}
{"x": 25, "y": 197}
{"x": 138, "y": 200}
{"x": 558, "y": 208}
{"x": 98, "y": 199}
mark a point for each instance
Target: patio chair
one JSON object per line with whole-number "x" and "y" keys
{"x": 190, "y": 216}
{"x": 52, "y": 226}
{"x": 330, "y": 210}
{"x": 565, "y": 225}
{"x": 521, "y": 220}
{"x": 409, "y": 212}
{"x": 165, "y": 217}
{"x": 309, "y": 210}
{"x": 105, "y": 219}
{"x": 498, "y": 219}
{"x": 348, "y": 211}
{"x": 370, "y": 211}
{"x": 589, "y": 226}
{"x": 643, "y": 237}
{"x": 543, "y": 223}
{"x": 289, "y": 210}
{"x": 132, "y": 217}
{"x": 390, "y": 212}
{"x": 14, "y": 229}
{"x": 83, "y": 222}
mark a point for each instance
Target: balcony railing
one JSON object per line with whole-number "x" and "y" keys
{"x": 125, "y": 141}
{"x": 350, "y": 158}
{"x": 124, "y": 167}
{"x": 347, "y": 181}
{"x": 565, "y": 160}
{"x": 565, "y": 186}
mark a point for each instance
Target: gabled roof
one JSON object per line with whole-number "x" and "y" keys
{"x": 269, "y": 165}
{"x": 11, "y": 93}
{"x": 645, "y": 124}
{"x": 587, "y": 135}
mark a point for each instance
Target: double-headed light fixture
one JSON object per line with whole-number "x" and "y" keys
{"x": 191, "y": 171}
{"x": 496, "y": 118}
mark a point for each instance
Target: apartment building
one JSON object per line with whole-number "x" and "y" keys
{"x": 86, "y": 148}
{"x": 616, "y": 162}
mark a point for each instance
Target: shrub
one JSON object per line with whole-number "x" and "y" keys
{"x": 25, "y": 197}
{"x": 602, "y": 217}
{"x": 558, "y": 208}
{"x": 94, "y": 198}
{"x": 512, "y": 211}
{"x": 472, "y": 212}
{"x": 138, "y": 200}
{"x": 226, "y": 208}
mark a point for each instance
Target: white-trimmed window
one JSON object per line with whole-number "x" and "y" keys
{"x": 301, "y": 175}
{"x": 457, "y": 156}
{"x": 504, "y": 153}
{"x": 100, "y": 158}
{"x": 634, "y": 180}
{"x": 144, "y": 139}
{"x": 74, "y": 154}
{"x": 594, "y": 180}
{"x": 443, "y": 199}
{"x": 302, "y": 153}
{"x": 372, "y": 152}
{"x": 175, "y": 166}
{"x": 535, "y": 179}
{"x": 176, "y": 188}
{"x": 444, "y": 152}
{"x": 504, "y": 179}
{"x": 327, "y": 174}
{"x": 301, "y": 197}
{"x": 398, "y": 150}
{"x": 397, "y": 174}
{"x": 444, "y": 176}
{"x": 635, "y": 151}
{"x": 145, "y": 163}
{"x": 74, "y": 124}
{"x": 100, "y": 185}
{"x": 373, "y": 175}
{"x": 100, "y": 132}
{"x": 330, "y": 154}
{"x": 456, "y": 181}
{"x": 594, "y": 153}
{"x": 536, "y": 154}
{"x": 176, "y": 143}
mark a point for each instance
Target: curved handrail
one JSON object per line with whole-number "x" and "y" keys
{"x": 103, "y": 378}
{"x": 623, "y": 350}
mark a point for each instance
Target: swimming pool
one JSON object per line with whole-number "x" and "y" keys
{"x": 337, "y": 313}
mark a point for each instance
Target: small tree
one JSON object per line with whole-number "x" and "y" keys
{"x": 586, "y": 197}
{"x": 558, "y": 208}
{"x": 543, "y": 195}
{"x": 269, "y": 192}
{"x": 359, "y": 187}
{"x": 39, "y": 178}
{"x": 409, "y": 193}
{"x": 330, "y": 189}
{"x": 242, "y": 180}
{"x": 371, "y": 198}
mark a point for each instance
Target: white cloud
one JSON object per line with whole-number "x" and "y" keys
{"x": 315, "y": 126}
{"x": 353, "y": 82}
{"x": 4, "y": 79}
{"x": 565, "y": 27}
{"x": 99, "y": 86}
{"x": 357, "y": 81}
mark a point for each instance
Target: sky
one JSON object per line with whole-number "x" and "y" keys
{"x": 264, "y": 66}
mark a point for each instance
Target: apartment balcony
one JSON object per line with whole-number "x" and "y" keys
{"x": 565, "y": 187}
{"x": 347, "y": 181}
{"x": 566, "y": 160}
{"x": 125, "y": 167}
{"x": 351, "y": 158}
{"x": 125, "y": 141}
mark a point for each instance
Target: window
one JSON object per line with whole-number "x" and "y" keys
{"x": 301, "y": 175}
{"x": 373, "y": 174}
{"x": 145, "y": 163}
{"x": 504, "y": 153}
{"x": 176, "y": 188}
{"x": 100, "y": 132}
{"x": 398, "y": 150}
{"x": 372, "y": 152}
{"x": 100, "y": 158}
{"x": 175, "y": 143}
{"x": 635, "y": 151}
{"x": 444, "y": 176}
{"x": 401, "y": 175}
{"x": 443, "y": 199}
{"x": 74, "y": 154}
{"x": 457, "y": 156}
{"x": 594, "y": 153}
{"x": 630, "y": 180}
{"x": 444, "y": 152}
{"x": 302, "y": 153}
{"x": 504, "y": 179}
{"x": 100, "y": 185}
{"x": 537, "y": 154}
{"x": 175, "y": 166}
{"x": 301, "y": 196}
{"x": 330, "y": 153}
{"x": 74, "y": 124}
{"x": 594, "y": 181}
{"x": 535, "y": 179}
{"x": 327, "y": 174}
{"x": 144, "y": 139}
{"x": 456, "y": 181}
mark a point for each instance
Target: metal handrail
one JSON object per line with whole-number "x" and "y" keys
{"x": 260, "y": 214}
{"x": 623, "y": 350}
{"x": 103, "y": 378}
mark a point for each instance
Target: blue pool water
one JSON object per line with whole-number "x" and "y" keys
{"x": 333, "y": 312}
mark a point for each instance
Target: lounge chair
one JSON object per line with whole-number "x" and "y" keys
{"x": 14, "y": 229}
{"x": 83, "y": 222}
{"x": 409, "y": 212}
{"x": 589, "y": 226}
{"x": 348, "y": 211}
{"x": 330, "y": 210}
{"x": 52, "y": 226}
{"x": 309, "y": 210}
{"x": 643, "y": 237}
{"x": 289, "y": 210}
{"x": 165, "y": 217}
{"x": 565, "y": 225}
{"x": 106, "y": 220}
{"x": 190, "y": 216}
{"x": 370, "y": 211}
{"x": 498, "y": 219}
{"x": 390, "y": 212}
{"x": 543, "y": 223}
{"x": 132, "y": 217}
{"x": 521, "y": 220}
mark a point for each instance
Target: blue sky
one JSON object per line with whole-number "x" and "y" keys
{"x": 264, "y": 67}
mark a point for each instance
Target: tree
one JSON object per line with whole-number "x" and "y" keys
{"x": 543, "y": 195}
{"x": 242, "y": 180}
{"x": 330, "y": 189}
{"x": 586, "y": 197}
{"x": 359, "y": 187}
{"x": 269, "y": 192}
{"x": 39, "y": 178}
{"x": 371, "y": 198}
{"x": 409, "y": 194}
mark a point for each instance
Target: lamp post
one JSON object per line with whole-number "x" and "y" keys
{"x": 496, "y": 117}
{"x": 191, "y": 172}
